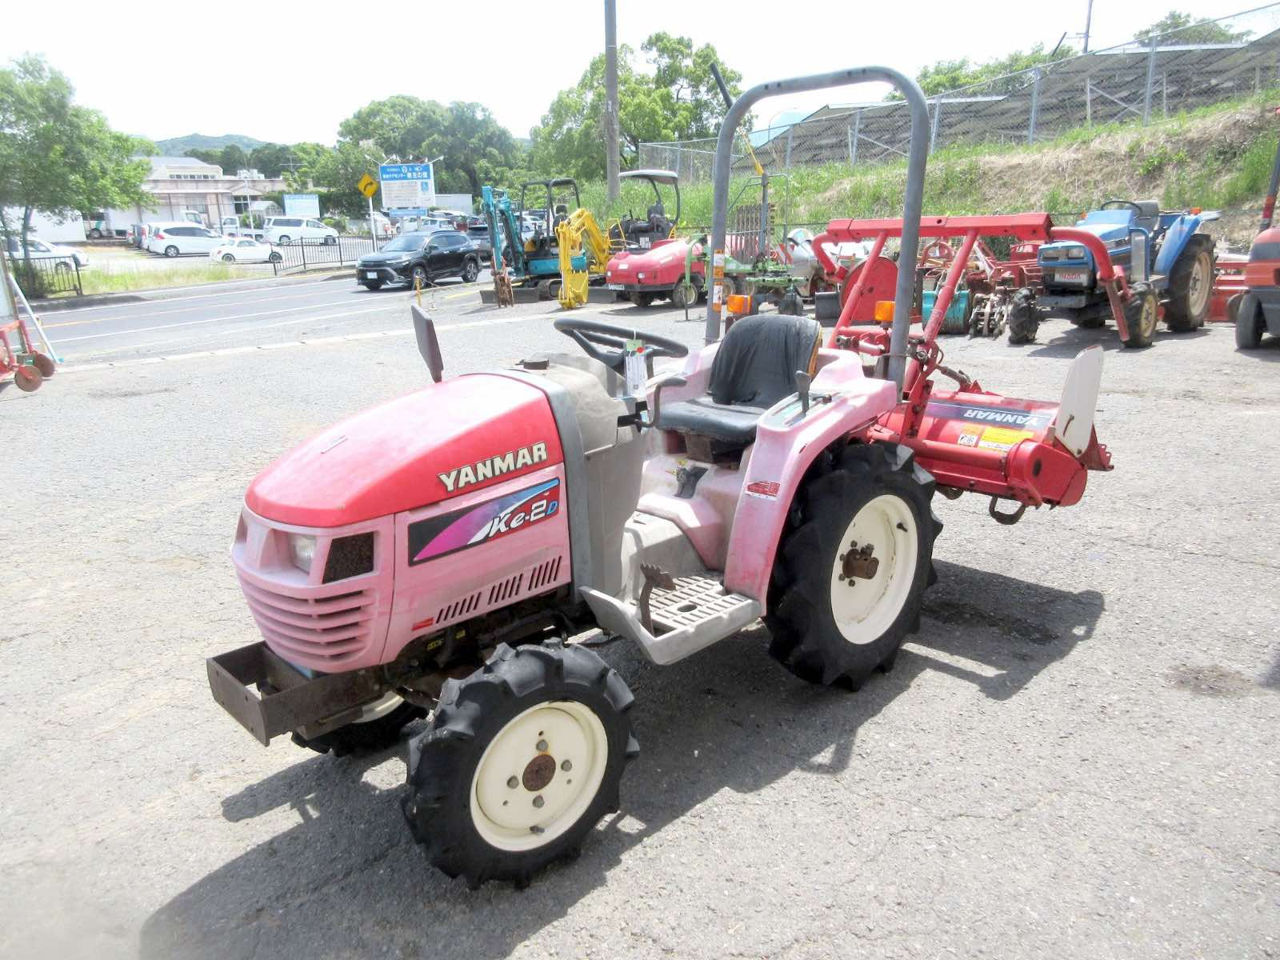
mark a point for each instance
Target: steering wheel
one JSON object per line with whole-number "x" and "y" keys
{"x": 591, "y": 335}
{"x": 1106, "y": 204}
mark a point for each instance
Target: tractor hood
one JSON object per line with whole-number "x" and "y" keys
{"x": 385, "y": 259}
{"x": 454, "y": 437}
{"x": 662, "y": 254}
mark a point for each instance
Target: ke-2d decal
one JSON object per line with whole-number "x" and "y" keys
{"x": 991, "y": 416}
{"x": 439, "y": 536}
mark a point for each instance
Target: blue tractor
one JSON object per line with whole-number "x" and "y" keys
{"x": 1162, "y": 252}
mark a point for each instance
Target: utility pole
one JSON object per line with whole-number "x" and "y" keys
{"x": 1088, "y": 22}
{"x": 611, "y": 97}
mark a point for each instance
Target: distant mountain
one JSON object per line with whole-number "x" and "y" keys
{"x": 177, "y": 146}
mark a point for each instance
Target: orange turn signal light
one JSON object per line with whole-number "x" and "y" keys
{"x": 740, "y": 303}
{"x": 1196, "y": 209}
{"x": 884, "y": 311}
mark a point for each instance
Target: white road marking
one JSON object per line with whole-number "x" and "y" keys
{"x": 318, "y": 341}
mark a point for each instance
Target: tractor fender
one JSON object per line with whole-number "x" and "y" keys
{"x": 1175, "y": 241}
{"x": 786, "y": 446}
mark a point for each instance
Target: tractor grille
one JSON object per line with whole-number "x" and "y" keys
{"x": 333, "y": 629}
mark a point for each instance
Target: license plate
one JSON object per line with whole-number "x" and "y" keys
{"x": 615, "y": 286}
{"x": 1072, "y": 276}
{"x": 371, "y": 275}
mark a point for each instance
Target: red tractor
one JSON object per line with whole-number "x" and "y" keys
{"x": 438, "y": 556}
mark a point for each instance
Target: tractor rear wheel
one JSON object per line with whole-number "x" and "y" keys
{"x": 1250, "y": 323}
{"x": 1141, "y": 314}
{"x": 379, "y": 727}
{"x": 521, "y": 761}
{"x": 853, "y": 565}
{"x": 1023, "y": 318}
{"x": 1190, "y": 286}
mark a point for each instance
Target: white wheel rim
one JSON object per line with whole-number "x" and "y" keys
{"x": 863, "y": 609}
{"x": 1198, "y": 285}
{"x": 505, "y": 811}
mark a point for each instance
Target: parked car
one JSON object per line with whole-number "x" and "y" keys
{"x": 63, "y": 257}
{"x": 420, "y": 258}
{"x": 244, "y": 250}
{"x": 182, "y": 239}
{"x": 478, "y": 234}
{"x": 297, "y": 229}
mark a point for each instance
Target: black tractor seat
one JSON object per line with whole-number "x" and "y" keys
{"x": 754, "y": 368}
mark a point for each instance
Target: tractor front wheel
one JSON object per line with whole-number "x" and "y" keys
{"x": 1190, "y": 286}
{"x": 521, "y": 761}
{"x": 853, "y": 566}
{"x": 1092, "y": 317}
{"x": 642, "y": 299}
{"x": 1141, "y": 314}
{"x": 1250, "y": 323}
{"x": 1023, "y": 318}
{"x": 379, "y": 727}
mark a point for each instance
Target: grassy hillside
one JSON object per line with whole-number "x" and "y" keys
{"x": 177, "y": 146}
{"x": 1217, "y": 158}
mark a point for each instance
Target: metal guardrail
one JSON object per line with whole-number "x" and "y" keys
{"x": 44, "y": 276}
{"x": 1138, "y": 82}
{"x": 301, "y": 256}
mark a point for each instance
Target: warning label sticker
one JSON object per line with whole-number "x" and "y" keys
{"x": 1002, "y": 438}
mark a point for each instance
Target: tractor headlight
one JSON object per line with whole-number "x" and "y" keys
{"x": 302, "y": 550}
{"x": 1076, "y": 252}
{"x": 1051, "y": 253}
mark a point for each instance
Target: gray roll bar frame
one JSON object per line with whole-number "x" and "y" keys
{"x": 912, "y": 204}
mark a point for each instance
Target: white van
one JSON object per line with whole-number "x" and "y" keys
{"x": 294, "y": 229}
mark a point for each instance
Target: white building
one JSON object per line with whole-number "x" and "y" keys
{"x": 180, "y": 184}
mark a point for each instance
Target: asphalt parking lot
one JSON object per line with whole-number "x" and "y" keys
{"x": 1076, "y": 756}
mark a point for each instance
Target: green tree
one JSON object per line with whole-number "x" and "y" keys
{"x": 272, "y": 159}
{"x": 204, "y": 156}
{"x": 58, "y": 157}
{"x": 678, "y": 100}
{"x": 232, "y": 158}
{"x": 336, "y": 171}
{"x": 406, "y": 129}
{"x": 1184, "y": 30}
{"x": 1001, "y": 75}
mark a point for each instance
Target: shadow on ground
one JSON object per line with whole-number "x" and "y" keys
{"x": 348, "y": 880}
{"x": 1068, "y": 342}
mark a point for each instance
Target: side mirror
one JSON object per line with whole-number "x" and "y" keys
{"x": 424, "y": 329}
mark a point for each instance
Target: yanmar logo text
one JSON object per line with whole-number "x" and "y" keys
{"x": 1002, "y": 416}
{"x": 491, "y": 467}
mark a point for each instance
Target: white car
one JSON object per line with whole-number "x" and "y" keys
{"x": 293, "y": 229}
{"x": 182, "y": 239}
{"x": 244, "y": 250}
{"x": 63, "y": 257}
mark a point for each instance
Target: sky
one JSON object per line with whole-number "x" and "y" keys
{"x": 276, "y": 74}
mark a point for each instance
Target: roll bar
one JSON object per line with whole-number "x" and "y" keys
{"x": 913, "y": 198}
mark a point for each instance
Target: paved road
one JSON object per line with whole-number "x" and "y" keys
{"x": 209, "y": 318}
{"x": 1075, "y": 756}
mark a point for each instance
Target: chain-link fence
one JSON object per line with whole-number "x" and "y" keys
{"x": 1135, "y": 82}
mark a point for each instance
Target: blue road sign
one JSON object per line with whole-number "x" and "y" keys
{"x": 404, "y": 171}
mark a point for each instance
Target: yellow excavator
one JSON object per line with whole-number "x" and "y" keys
{"x": 578, "y": 234}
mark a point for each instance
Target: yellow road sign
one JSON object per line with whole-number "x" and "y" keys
{"x": 367, "y": 185}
